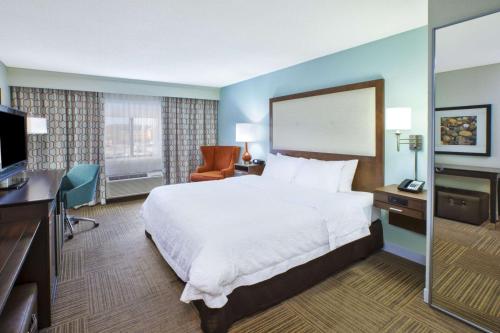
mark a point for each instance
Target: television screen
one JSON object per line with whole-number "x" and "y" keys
{"x": 12, "y": 139}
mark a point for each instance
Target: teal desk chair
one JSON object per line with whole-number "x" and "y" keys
{"x": 79, "y": 188}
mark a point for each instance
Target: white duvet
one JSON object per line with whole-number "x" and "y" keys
{"x": 220, "y": 235}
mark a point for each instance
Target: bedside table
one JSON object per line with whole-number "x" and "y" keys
{"x": 406, "y": 210}
{"x": 248, "y": 169}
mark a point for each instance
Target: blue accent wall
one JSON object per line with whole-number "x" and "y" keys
{"x": 401, "y": 60}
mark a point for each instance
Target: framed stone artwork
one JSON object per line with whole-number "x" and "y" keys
{"x": 463, "y": 130}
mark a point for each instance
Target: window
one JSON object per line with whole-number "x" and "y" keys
{"x": 132, "y": 134}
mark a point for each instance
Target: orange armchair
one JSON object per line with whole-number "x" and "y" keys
{"x": 218, "y": 163}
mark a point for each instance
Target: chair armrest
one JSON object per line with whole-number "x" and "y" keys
{"x": 79, "y": 195}
{"x": 228, "y": 172}
{"x": 203, "y": 168}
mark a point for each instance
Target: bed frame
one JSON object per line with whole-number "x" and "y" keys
{"x": 248, "y": 300}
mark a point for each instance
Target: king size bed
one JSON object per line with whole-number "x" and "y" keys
{"x": 244, "y": 244}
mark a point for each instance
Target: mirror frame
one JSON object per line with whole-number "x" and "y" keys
{"x": 431, "y": 168}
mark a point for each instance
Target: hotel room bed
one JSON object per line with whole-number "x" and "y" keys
{"x": 225, "y": 236}
{"x": 244, "y": 244}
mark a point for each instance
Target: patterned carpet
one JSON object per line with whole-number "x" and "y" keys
{"x": 467, "y": 271}
{"x": 114, "y": 280}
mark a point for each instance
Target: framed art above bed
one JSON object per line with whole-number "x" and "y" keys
{"x": 338, "y": 123}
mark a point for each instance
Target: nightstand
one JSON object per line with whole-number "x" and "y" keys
{"x": 248, "y": 169}
{"x": 406, "y": 210}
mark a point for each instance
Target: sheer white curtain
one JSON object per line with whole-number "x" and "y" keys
{"x": 132, "y": 134}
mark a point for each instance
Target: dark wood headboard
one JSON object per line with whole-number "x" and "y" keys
{"x": 370, "y": 170}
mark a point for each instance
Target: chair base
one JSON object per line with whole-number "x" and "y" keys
{"x": 71, "y": 220}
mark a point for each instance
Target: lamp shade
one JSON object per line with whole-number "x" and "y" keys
{"x": 36, "y": 125}
{"x": 398, "y": 118}
{"x": 246, "y": 132}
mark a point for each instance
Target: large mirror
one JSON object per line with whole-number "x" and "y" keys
{"x": 465, "y": 279}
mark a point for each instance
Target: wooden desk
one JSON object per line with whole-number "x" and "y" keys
{"x": 406, "y": 210}
{"x": 39, "y": 200}
{"x": 491, "y": 174}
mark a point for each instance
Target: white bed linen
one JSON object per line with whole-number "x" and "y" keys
{"x": 220, "y": 235}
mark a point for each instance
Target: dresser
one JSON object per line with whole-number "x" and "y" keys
{"x": 38, "y": 201}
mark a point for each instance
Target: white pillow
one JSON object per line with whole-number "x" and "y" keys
{"x": 320, "y": 175}
{"x": 281, "y": 167}
{"x": 347, "y": 175}
{"x": 296, "y": 161}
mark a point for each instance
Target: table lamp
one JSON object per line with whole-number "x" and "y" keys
{"x": 399, "y": 119}
{"x": 36, "y": 125}
{"x": 246, "y": 132}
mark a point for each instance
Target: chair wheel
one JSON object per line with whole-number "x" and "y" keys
{"x": 96, "y": 225}
{"x": 70, "y": 236}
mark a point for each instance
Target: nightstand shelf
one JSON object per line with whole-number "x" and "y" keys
{"x": 406, "y": 210}
{"x": 248, "y": 169}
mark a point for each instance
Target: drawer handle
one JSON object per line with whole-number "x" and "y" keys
{"x": 395, "y": 210}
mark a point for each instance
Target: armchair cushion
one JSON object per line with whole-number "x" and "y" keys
{"x": 218, "y": 163}
{"x": 204, "y": 176}
{"x": 203, "y": 168}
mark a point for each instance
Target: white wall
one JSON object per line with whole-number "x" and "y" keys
{"x": 55, "y": 80}
{"x": 4, "y": 87}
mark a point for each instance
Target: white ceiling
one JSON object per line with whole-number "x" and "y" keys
{"x": 211, "y": 43}
{"x": 469, "y": 44}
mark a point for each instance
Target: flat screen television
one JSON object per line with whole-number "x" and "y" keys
{"x": 13, "y": 142}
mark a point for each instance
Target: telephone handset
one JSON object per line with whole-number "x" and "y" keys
{"x": 410, "y": 185}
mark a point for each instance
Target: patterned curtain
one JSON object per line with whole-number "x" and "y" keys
{"x": 187, "y": 125}
{"x": 75, "y": 121}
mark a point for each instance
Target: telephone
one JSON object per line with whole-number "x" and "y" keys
{"x": 410, "y": 185}
{"x": 257, "y": 161}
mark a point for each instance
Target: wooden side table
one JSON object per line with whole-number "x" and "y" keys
{"x": 406, "y": 210}
{"x": 248, "y": 169}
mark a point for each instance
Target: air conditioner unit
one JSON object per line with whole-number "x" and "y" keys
{"x": 129, "y": 185}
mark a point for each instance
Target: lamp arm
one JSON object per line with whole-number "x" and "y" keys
{"x": 414, "y": 141}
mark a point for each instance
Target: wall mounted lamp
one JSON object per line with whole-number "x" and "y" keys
{"x": 399, "y": 119}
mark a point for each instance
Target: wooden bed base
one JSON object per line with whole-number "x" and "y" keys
{"x": 248, "y": 300}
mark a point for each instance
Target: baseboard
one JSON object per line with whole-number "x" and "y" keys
{"x": 404, "y": 253}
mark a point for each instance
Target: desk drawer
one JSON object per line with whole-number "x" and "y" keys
{"x": 20, "y": 311}
{"x": 411, "y": 203}
{"x": 400, "y": 210}
{"x": 24, "y": 212}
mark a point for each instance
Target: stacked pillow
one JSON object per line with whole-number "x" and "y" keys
{"x": 330, "y": 176}
{"x": 282, "y": 167}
